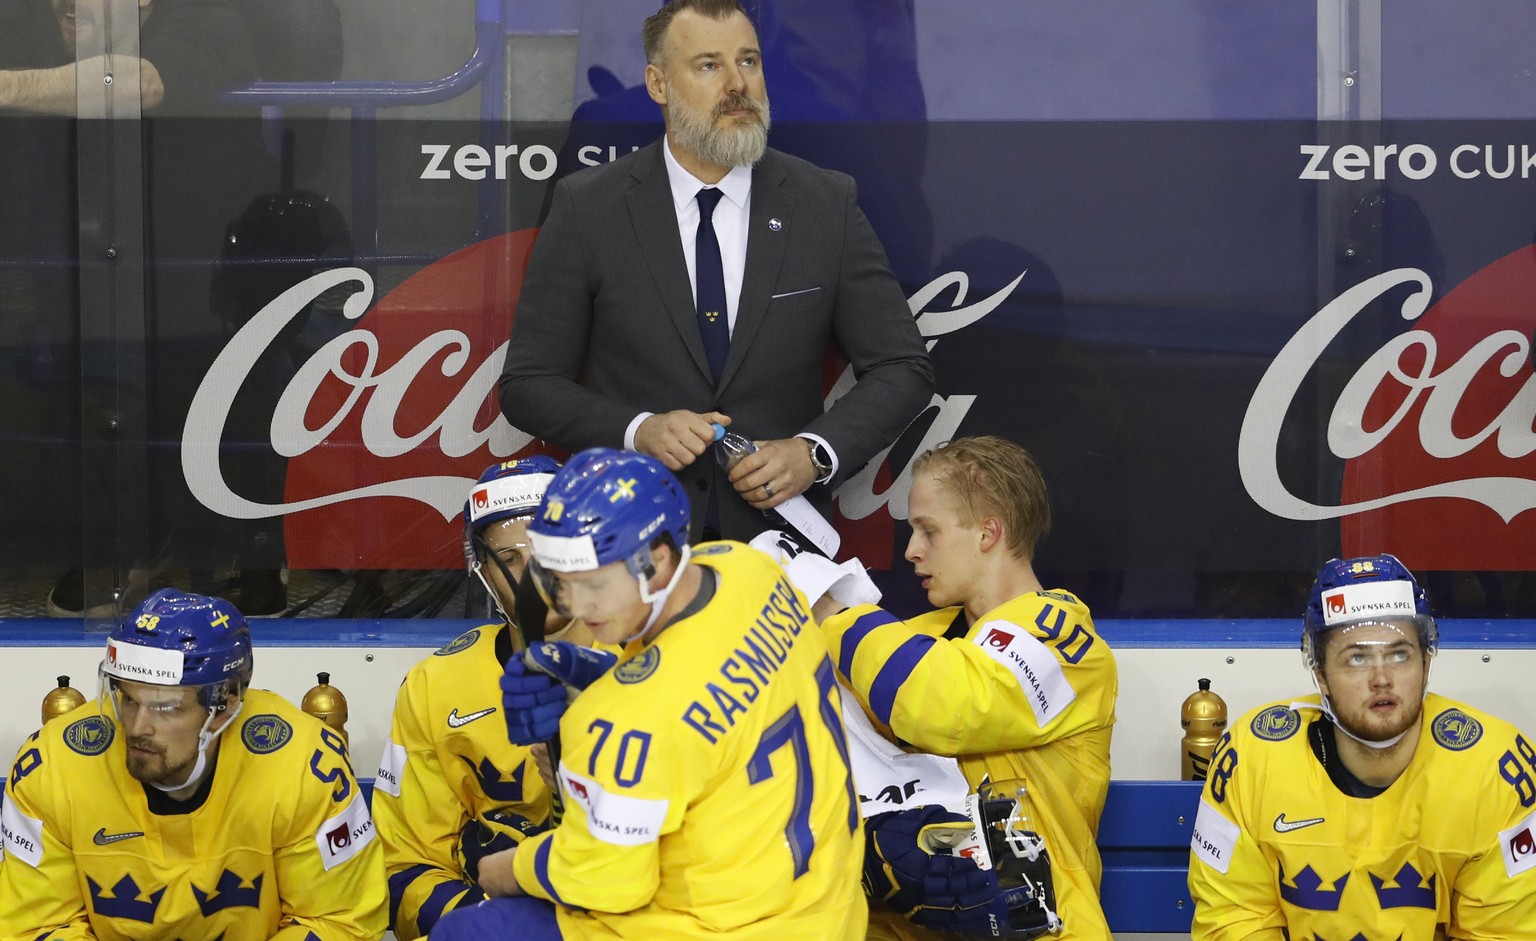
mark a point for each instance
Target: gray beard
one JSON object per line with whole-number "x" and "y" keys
{"x": 695, "y": 131}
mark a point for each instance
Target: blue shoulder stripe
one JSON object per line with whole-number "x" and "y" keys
{"x": 398, "y": 883}
{"x": 855, "y": 635}
{"x": 437, "y": 903}
{"x": 899, "y": 666}
{"x": 541, "y": 870}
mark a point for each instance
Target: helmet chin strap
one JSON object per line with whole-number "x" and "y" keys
{"x": 495, "y": 598}
{"x": 658, "y": 598}
{"x": 205, "y": 738}
{"x": 478, "y": 548}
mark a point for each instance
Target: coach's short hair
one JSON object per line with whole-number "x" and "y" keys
{"x": 992, "y": 476}
{"x": 656, "y": 24}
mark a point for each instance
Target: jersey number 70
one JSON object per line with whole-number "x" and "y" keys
{"x": 789, "y": 730}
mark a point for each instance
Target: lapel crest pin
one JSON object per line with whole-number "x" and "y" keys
{"x": 774, "y": 224}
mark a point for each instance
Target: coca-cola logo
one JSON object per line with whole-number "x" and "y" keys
{"x": 386, "y": 426}
{"x": 868, "y": 533}
{"x": 1436, "y": 429}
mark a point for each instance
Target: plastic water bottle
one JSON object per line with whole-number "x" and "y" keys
{"x": 1204, "y": 719}
{"x": 64, "y": 698}
{"x": 797, "y": 512}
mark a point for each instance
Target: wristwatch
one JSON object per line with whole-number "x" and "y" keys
{"x": 821, "y": 460}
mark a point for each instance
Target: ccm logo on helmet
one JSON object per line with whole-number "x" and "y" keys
{"x": 651, "y": 527}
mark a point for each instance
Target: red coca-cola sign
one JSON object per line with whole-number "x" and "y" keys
{"x": 386, "y": 427}
{"x": 1436, "y": 429}
{"x": 1450, "y": 413}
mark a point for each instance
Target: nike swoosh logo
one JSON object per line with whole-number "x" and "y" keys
{"x": 103, "y": 838}
{"x": 1283, "y": 825}
{"x": 457, "y": 721}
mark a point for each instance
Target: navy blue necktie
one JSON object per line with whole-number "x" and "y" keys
{"x": 709, "y": 294}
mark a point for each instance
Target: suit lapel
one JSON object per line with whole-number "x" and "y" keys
{"x": 655, "y": 220}
{"x": 771, "y": 200}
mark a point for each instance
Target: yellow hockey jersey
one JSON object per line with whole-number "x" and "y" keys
{"x": 706, "y": 781}
{"x": 448, "y": 760}
{"x": 282, "y": 846}
{"x": 1028, "y": 691}
{"x": 1446, "y": 851}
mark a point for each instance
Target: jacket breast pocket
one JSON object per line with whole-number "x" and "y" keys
{"x": 795, "y": 300}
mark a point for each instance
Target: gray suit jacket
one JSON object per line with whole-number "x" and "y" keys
{"x": 605, "y": 326}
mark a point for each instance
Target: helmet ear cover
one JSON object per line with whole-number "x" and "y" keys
{"x": 216, "y": 696}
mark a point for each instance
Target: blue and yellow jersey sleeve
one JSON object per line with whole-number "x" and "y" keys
{"x": 448, "y": 762}
{"x": 1031, "y": 672}
{"x": 420, "y": 820}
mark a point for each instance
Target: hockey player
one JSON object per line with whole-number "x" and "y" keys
{"x": 1009, "y": 678}
{"x": 706, "y": 786}
{"x": 182, "y": 804}
{"x": 941, "y": 858}
{"x": 451, "y": 788}
{"x": 1375, "y": 809}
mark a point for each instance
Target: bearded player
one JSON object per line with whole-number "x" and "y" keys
{"x": 183, "y": 804}
{"x": 1374, "y": 809}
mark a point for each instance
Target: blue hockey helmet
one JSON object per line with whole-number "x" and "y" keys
{"x": 1368, "y": 590}
{"x": 175, "y": 638}
{"x": 507, "y": 490}
{"x": 608, "y": 506}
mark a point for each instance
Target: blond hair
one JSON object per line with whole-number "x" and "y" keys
{"x": 992, "y": 476}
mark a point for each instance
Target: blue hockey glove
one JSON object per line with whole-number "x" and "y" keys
{"x": 932, "y": 889}
{"x": 532, "y": 702}
{"x": 495, "y": 831}
{"x": 575, "y": 666}
{"x": 1009, "y": 913}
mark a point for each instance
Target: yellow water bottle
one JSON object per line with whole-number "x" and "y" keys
{"x": 1204, "y": 718}
{"x": 61, "y": 699}
{"x": 326, "y": 703}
